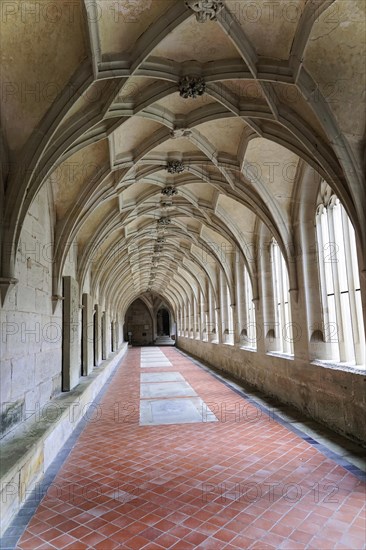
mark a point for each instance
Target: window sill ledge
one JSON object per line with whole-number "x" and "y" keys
{"x": 281, "y": 355}
{"x": 247, "y": 348}
{"x": 333, "y": 365}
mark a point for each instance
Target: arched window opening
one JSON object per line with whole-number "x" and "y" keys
{"x": 283, "y": 325}
{"x": 343, "y": 325}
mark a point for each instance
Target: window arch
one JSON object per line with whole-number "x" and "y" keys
{"x": 281, "y": 294}
{"x": 343, "y": 324}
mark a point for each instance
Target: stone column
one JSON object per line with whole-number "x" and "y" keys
{"x": 224, "y": 308}
{"x": 179, "y": 320}
{"x": 184, "y": 320}
{"x": 191, "y": 317}
{"x": 88, "y": 337}
{"x": 242, "y": 305}
{"x": 236, "y": 308}
{"x": 269, "y": 328}
{"x": 112, "y": 336}
{"x": 207, "y": 310}
{"x": 201, "y": 315}
{"x": 196, "y": 319}
{"x": 70, "y": 332}
{"x": 116, "y": 335}
{"x": 98, "y": 335}
{"x": 309, "y": 272}
{"x": 212, "y": 328}
{"x": 105, "y": 333}
{"x": 218, "y": 323}
{"x": 259, "y": 342}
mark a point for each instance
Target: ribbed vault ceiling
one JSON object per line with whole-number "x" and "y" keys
{"x": 104, "y": 132}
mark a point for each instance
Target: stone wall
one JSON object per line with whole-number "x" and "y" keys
{"x": 333, "y": 396}
{"x": 30, "y": 333}
{"x": 31, "y": 324}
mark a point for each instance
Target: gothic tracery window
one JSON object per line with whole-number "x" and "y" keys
{"x": 343, "y": 326}
{"x": 283, "y": 326}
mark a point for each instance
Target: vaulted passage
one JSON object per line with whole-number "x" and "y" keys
{"x": 159, "y": 467}
{"x": 179, "y": 173}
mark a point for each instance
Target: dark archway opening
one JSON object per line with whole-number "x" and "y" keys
{"x": 138, "y": 328}
{"x": 163, "y": 322}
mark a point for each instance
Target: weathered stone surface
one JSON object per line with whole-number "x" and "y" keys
{"x": 12, "y": 413}
{"x": 87, "y": 333}
{"x": 71, "y": 344}
{"x": 30, "y": 334}
{"x": 22, "y": 374}
{"x": 5, "y": 385}
{"x": 30, "y": 473}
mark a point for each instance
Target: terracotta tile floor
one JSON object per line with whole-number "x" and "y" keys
{"x": 243, "y": 482}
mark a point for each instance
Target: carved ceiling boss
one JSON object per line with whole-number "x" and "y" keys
{"x": 206, "y": 10}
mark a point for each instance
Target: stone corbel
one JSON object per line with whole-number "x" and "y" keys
{"x": 56, "y": 298}
{"x": 5, "y": 284}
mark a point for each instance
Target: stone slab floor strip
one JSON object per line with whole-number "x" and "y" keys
{"x": 242, "y": 482}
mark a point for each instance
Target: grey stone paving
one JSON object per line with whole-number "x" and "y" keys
{"x": 155, "y": 364}
{"x": 166, "y": 397}
{"x": 166, "y": 389}
{"x": 174, "y": 411}
{"x": 161, "y": 377}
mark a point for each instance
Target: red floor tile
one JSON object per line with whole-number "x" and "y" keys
{"x": 244, "y": 482}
